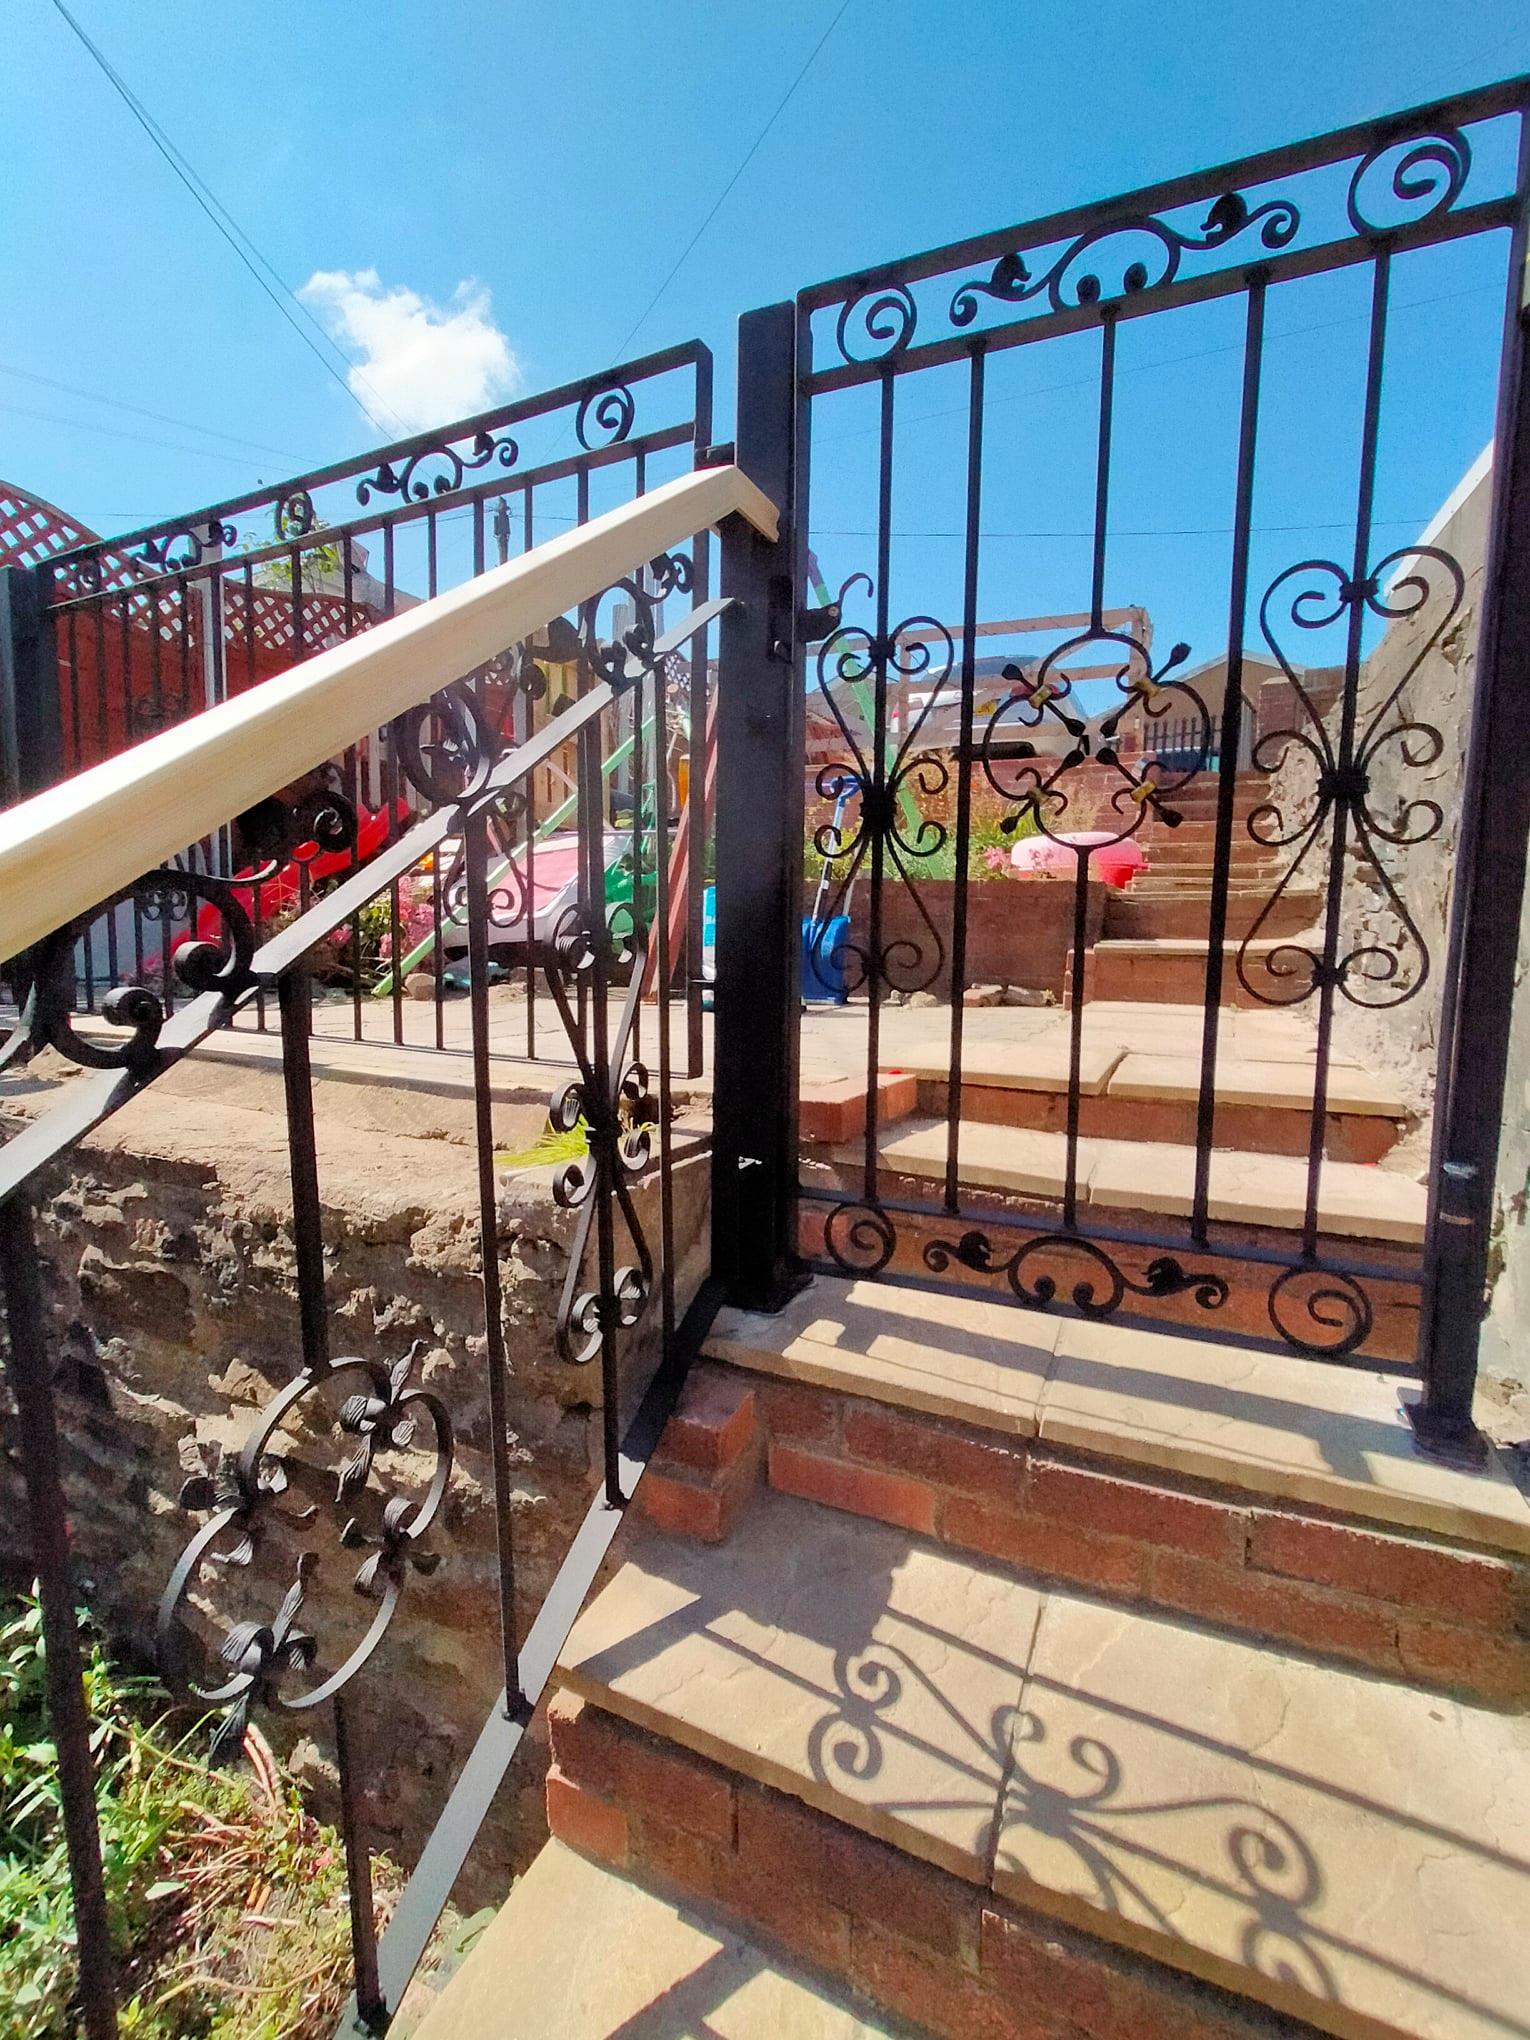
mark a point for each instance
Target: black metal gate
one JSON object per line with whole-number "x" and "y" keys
{"x": 1284, "y": 769}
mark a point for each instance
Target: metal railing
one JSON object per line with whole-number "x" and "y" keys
{"x": 96, "y": 834}
{"x": 169, "y": 620}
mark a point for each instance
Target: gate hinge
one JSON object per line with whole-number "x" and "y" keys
{"x": 814, "y": 625}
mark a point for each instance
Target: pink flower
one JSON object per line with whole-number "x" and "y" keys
{"x": 995, "y": 858}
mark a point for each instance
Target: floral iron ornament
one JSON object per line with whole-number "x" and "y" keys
{"x": 246, "y": 1499}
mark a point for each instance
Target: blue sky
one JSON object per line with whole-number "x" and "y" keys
{"x": 534, "y": 169}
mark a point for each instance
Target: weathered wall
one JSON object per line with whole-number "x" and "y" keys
{"x": 170, "y": 1280}
{"x": 1404, "y": 1039}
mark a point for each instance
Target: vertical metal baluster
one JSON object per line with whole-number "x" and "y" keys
{"x": 99, "y": 619}
{"x": 635, "y": 779}
{"x": 696, "y": 859}
{"x": 601, "y": 1109}
{"x": 1229, "y": 733}
{"x": 295, "y": 1002}
{"x": 358, "y": 1874}
{"x": 127, "y": 697}
{"x": 352, "y": 775}
{"x": 72, "y": 638}
{"x": 1081, "y": 877}
{"x": 475, "y": 861}
{"x": 1365, "y": 497}
{"x": 528, "y": 728}
{"x": 390, "y": 797}
{"x": 662, "y": 981}
{"x": 592, "y": 840}
{"x": 964, "y": 766}
{"x": 68, "y": 1716}
{"x": 437, "y": 964}
{"x": 874, "y": 985}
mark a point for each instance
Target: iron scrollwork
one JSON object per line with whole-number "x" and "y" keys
{"x": 612, "y": 412}
{"x": 1164, "y": 1276}
{"x": 1036, "y": 779}
{"x": 1339, "y": 768}
{"x": 1162, "y": 247}
{"x": 611, "y": 1099}
{"x": 249, "y": 1495}
{"x": 887, "y": 826}
{"x": 437, "y": 470}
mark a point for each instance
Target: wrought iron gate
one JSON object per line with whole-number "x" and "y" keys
{"x": 919, "y": 747}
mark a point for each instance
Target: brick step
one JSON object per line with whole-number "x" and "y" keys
{"x": 1356, "y": 1201}
{"x": 1171, "y": 970}
{"x": 1262, "y": 1108}
{"x": 649, "y": 1953}
{"x": 1275, "y": 1495}
{"x": 1157, "y": 907}
{"x": 903, "y": 1762}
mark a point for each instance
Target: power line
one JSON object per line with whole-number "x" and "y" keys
{"x": 230, "y": 229}
{"x": 48, "y": 382}
{"x": 749, "y": 155}
{"x": 139, "y": 438}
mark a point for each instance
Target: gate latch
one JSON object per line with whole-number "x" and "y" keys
{"x": 1458, "y": 1194}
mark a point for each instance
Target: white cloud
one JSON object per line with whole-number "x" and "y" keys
{"x": 428, "y": 363}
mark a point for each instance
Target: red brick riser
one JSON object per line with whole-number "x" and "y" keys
{"x": 1439, "y": 1614}
{"x": 919, "y": 1943}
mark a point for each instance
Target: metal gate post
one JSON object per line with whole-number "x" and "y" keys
{"x": 1485, "y": 917}
{"x": 759, "y": 849}
{"x": 31, "y": 731}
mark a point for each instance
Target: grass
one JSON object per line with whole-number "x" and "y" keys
{"x": 226, "y": 1897}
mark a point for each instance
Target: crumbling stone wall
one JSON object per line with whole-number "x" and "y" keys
{"x": 170, "y": 1279}
{"x": 1403, "y": 1040}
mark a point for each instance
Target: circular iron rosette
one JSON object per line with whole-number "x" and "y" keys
{"x": 1067, "y": 772}
{"x": 265, "y": 1511}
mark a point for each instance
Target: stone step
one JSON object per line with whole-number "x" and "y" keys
{"x": 1263, "y": 1105}
{"x": 1172, "y": 969}
{"x": 580, "y": 1952}
{"x": 1035, "y": 1444}
{"x": 1355, "y": 1200}
{"x": 893, "y": 1757}
{"x": 1269, "y": 1430}
{"x": 1157, "y": 907}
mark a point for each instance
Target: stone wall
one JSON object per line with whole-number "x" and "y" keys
{"x": 1404, "y": 1039}
{"x": 170, "y": 1281}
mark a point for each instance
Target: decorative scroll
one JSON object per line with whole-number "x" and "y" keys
{"x": 436, "y": 470}
{"x": 1259, "y": 226}
{"x": 1321, "y": 1311}
{"x": 1163, "y": 1276}
{"x": 248, "y": 1498}
{"x": 610, "y": 1097}
{"x": 612, "y": 411}
{"x": 1330, "y": 761}
{"x": 878, "y": 820}
{"x": 1143, "y": 254}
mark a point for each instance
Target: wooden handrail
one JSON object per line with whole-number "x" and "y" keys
{"x": 66, "y": 850}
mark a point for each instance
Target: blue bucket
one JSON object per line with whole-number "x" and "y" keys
{"x": 823, "y": 964}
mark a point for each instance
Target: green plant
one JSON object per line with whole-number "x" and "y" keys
{"x": 225, "y": 1897}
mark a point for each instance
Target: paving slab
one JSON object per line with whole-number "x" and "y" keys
{"x": 947, "y": 1355}
{"x": 835, "y": 1659}
{"x": 1355, "y": 1200}
{"x": 1341, "y": 1847}
{"x": 1016, "y": 1159}
{"x": 1304, "y": 1430}
{"x": 1019, "y": 1064}
{"x": 1246, "y": 1080}
{"x": 579, "y": 1952}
